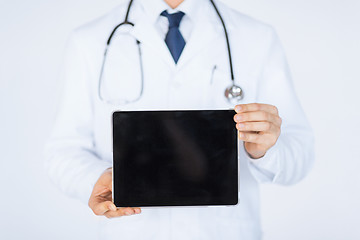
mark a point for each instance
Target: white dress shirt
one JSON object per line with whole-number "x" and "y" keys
{"x": 161, "y": 23}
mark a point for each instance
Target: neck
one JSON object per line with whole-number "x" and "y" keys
{"x": 174, "y": 3}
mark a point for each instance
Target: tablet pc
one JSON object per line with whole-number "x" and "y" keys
{"x": 174, "y": 158}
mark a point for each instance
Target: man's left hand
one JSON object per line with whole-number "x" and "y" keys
{"x": 259, "y": 127}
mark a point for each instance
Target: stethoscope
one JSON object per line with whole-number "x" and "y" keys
{"x": 234, "y": 94}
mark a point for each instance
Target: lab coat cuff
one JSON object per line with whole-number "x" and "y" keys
{"x": 267, "y": 166}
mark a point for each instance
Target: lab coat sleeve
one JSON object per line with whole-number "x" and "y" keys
{"x": 290, "y": 159}
{"x": 71, "y": 161}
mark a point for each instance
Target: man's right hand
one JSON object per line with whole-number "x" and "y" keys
{"x": 101, "y": 199}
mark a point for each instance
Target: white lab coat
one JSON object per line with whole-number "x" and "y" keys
{"x": 81, "y": 146}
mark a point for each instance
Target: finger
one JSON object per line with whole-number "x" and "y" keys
{"x": 254, "y": 107}
{"x": 251, "y": 137}
{"x": 259, "y": 116}
{"x": 137, "y": 210}
{"x": 255, "y": 126}
{"x": 102, "y": 207}
{"x": 119, "y": 212}
{"x": 122, "y": 212}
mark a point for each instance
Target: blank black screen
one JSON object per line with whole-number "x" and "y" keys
{"x": 175, "y": 158}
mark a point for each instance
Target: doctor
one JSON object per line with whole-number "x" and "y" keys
{"x": 176, "y": 57}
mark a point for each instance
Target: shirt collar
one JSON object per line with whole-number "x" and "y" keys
{"x": 154, "y": 8}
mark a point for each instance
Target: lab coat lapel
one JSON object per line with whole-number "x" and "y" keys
{"x": 146, "y": 33}
{"x": 203, "y": 36}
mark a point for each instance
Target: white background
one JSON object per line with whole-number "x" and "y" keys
{"x": 322, "y": 41}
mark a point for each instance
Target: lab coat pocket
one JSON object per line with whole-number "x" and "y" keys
{"x": 215, "y": 96}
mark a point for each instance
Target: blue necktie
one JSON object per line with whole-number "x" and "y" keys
{"x": 174, "y": 40}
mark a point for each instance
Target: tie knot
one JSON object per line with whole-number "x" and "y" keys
{"x": 174, "y": 19}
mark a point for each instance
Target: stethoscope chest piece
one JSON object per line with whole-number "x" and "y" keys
{"x": 234, "y": 94}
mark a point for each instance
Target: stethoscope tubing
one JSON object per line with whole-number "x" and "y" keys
{"x": 227, "y": 41}
{"x": 231, "y": 89}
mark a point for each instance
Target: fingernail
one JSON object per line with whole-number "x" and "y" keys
{"x": 241, "y": 125}
{"x": 238, "y": 118}
{"x": 238, "y": 108}
{"x": 241, "y": 135}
